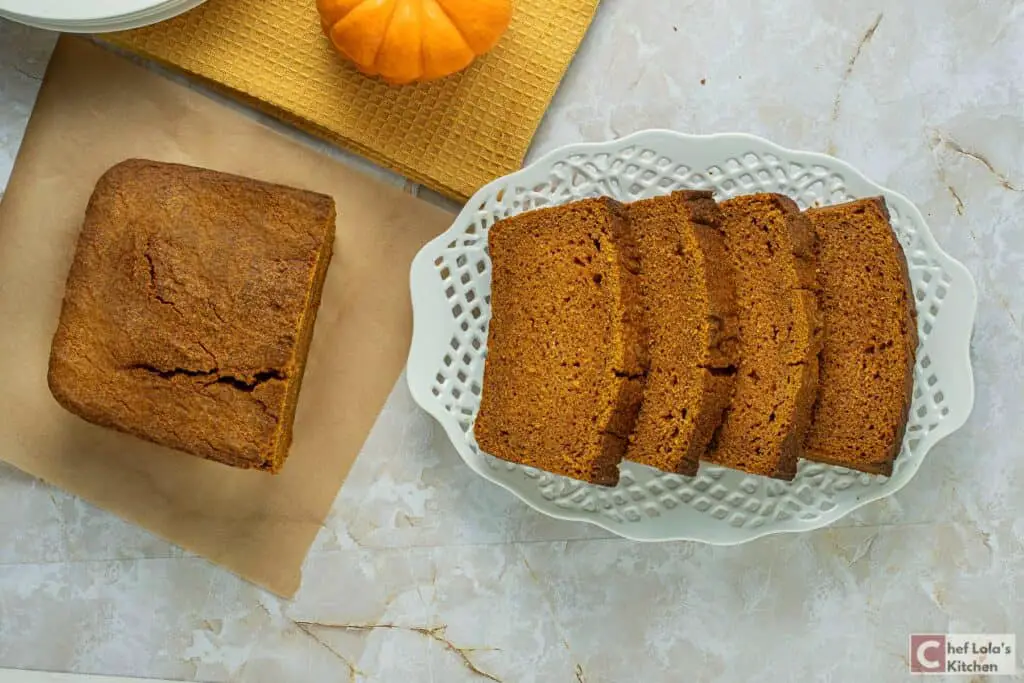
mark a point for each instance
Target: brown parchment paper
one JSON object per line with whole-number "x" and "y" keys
{"x": 94, "y": 110}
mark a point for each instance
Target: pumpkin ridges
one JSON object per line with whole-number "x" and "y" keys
{"x": 480, "y": 22}
{"x": 399, "y": 59}
{"x": 360, "y": 33}
{"x": 333, "y": 11}
{"x": 445, "y": 51}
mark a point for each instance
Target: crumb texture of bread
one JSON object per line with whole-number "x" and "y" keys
{"x": 189, "y": 309}
{"x": 566, "y": 348}
{"x": 870, "y": 340}
{"x": 772, "y": 249}
{"x": 689, "y": 308}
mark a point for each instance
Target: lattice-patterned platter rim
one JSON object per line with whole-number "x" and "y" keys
{"x": 450, "y": 281}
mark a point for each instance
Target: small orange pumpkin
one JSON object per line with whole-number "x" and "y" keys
{"x": 413, "y": 40}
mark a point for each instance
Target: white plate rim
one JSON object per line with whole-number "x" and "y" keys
{"x": 150, "y": 13}
{"x": 74, "y": 12}
{"x": 423, "y": 267}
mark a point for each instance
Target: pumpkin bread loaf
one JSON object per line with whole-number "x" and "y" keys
{"x": 867, "y": 361}
{"x": 566, "y": 352}
{"x": 772, "y": 249}
{"x": 189, "y": 310}
{"x": 689, "y": 308}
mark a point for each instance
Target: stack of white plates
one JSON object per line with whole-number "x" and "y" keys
{"x": 92, "y": 16}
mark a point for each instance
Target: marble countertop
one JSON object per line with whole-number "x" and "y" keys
{"x": 424, "y": 572}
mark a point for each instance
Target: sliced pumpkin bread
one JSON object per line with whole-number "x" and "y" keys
{"x": 772, "y": 248}
{"x": 689, "y": 306}
{"x": 867, "y": 361}
{"x": 566, "y": 352}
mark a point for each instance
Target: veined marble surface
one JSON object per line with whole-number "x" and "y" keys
{"x": 426, "y": 573}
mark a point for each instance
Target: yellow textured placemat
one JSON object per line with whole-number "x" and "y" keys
{"x": 453, "y": 135}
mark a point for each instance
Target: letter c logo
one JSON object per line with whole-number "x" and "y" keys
{"x": 928, "y": 646}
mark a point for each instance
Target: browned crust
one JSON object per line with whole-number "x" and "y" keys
{"x": 909, "y": 340}
{"x": 615, "y": 440}
{"x": 551, "y": 268}
{"x": 630, "y": 377}
{"x": 732, "y": 445}
{"x": 185, "y": 319}
{"x": 694, "y": 355}
{"x": 637, "y": 358}
{"x": 287, "y": 421}
{"x": 792, "y": 448}
{"x": 723, "y": 345}
{"x": 805, "y": 245}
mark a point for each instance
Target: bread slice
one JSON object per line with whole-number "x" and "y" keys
{"x": 771, "y": 246}
{"x": 566, "y": 354}
{"x": 870, "y": 341}
{"x": 689, "y": 305}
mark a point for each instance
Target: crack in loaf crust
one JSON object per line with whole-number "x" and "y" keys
{"x": 566, "y": 351}
{"x": 689, "y": 305}
{"x": 772, "y": 248}
{"x": 189, "y": 309}
{"x": 870, "y": 341}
